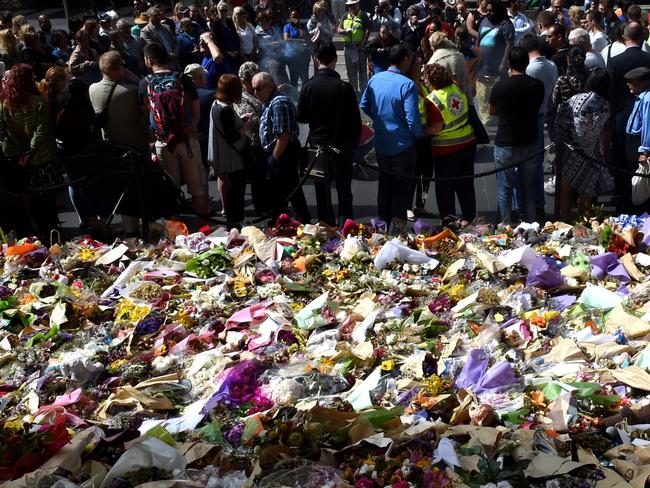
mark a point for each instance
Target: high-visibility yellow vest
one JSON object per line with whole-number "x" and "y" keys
{"x": 423, "y": 92}
{"x": 452, "y": 104}
{"x": 358, "y": 30}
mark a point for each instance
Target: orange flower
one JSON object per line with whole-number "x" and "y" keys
{"x": 537, "y": 398}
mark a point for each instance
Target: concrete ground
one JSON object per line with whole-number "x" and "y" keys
{"x": 365, "y": 192}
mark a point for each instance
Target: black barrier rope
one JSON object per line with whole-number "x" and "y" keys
{"x": 611, "y": 167}
{"x": 456, "y": 178}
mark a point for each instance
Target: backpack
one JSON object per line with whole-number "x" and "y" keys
{"x": 166, "y": 102}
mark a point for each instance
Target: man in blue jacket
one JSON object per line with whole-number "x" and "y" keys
{"x": 391, "y": 100}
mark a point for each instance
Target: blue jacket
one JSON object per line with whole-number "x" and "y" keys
{"x": 391, "y": 100}
{"x": 639, "y": 122}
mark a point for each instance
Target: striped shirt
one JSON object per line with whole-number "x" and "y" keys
{"x": 278, "y": 117}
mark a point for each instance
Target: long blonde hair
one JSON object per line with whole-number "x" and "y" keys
{"x": 8, "y": 43}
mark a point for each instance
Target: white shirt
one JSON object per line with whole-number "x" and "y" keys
{"x": 594, "y": 60}
{"x": 545, "y": 71}
{"x": 246, "y": 38}
{"x": 522, "y": 25}
{"x": 598, "y": 41}
{"x": 617, "y": 48}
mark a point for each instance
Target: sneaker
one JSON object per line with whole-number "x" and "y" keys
{"x": 549, "y": 186}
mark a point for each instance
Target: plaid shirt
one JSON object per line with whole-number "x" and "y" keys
{"x": 278, "y": 117}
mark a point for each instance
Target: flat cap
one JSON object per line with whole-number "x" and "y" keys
{"x": 638, "y": 74}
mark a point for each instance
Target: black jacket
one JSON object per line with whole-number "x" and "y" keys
{"x": 411, "y": 38}
{"x": 621, "y": 99}
{"x": 329, "y": 105}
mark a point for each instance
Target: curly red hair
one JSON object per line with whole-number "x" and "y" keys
{"x": 19, "y": 87}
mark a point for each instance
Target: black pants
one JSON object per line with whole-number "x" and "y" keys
{"x": 423, "y": 167}
{"x": 284, "y": 178}
{"x": 235, "y": 196}
{"x": 339, "y": 169}
{"x": 622, "y": 181}
{"x": 395, "y": 194}
{"x": 260, "y": 188}
{"x": 457, "y": 163}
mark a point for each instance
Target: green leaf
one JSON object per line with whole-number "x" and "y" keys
{"x": 212, "y": 433}
{"x": 53, "y": 332}
{"x": 162, "y": 434}
{"x": 515, "y": 417}
{"x": 380, "y": 416}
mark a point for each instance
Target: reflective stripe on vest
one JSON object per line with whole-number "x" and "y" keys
{"x": 452, "y": 104}
{"x": 423, "y": 93}
{"x": 358, "y": 32}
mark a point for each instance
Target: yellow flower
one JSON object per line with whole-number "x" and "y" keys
{"x": 87, "y": 254}
{"x": 387, "y": 365}
{"x": 128, "y": 311}
{"x": 115, "y": 365}
{"x": 433, "y": 384}
{"x": 13, "y": 425}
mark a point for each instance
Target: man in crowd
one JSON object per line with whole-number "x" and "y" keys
{"x": 279, "y": 137}
{"x": 556, "y": 39}
{"x": 135, "y": 47}
{"x": 391, "y": 100}
{"x": 605, "y": 7}
{"x": 382, "y": 16}
{"x": 126, "y": 123}
{"x": 156, "y": 32}
{"x": 638, "y": 125}
{"x": 46, "y": 34}
{"x": 174, "y": 113}
{"x": 544, "y": 23}
{"x": 517, "y": 15}
{"x": 496, "y": 38}
{"x": 516, "y": 100}
{"x": 335, "y": 130}
{"x": 580, "y": 37}
{"x": 355, "y": 27}
{"x": 560, "y": 14}
{"x": 545, "y": 71}
{"x": 621, "y": 102}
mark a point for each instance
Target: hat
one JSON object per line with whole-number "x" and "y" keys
{"x": 184, "y": 10}
{"x": 142, "y": 19}
{"x": 351, "y": 2}
{"x": 194, "y": 69}
{"x": 638, "y": 74}
{"x": 104, "y": 17}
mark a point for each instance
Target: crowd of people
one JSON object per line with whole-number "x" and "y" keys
{"x": 223, "y": 86}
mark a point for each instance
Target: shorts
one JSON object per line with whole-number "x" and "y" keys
{"x": 184, "y": 165}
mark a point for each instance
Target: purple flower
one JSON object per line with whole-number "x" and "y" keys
{"x": 233, "y": 436}
{"x": 149, "y": 325}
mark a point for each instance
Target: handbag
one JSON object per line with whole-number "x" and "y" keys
{"x": 480, "y": 133}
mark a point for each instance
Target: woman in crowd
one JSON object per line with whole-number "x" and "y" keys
{"x": 246, "y": 33}
{"x": 17, "y": 23}
{"x": 188, "y": 39}
{"x": 271, "y": 46}
{"x": 447, "y": 55}
{"x": 296, "y": 54}
{"x": 582, "y": 123}
{"x": 567, "y": 85}
{"x": 62, "y": 49}
{"x": 225, "y": 35}
{"x": 475, "y": 18}
{"x": 214, "y": 62}
{"x": 319, "y": 25}
{"x": 9, "y": 53}
{"x": 227, "y": 141}
{"x": 453, "y": 145}
{"x": 83, "y": 62}
{"x": 468, "y": 49}
{"x": 424, "y": 163}
{"x": 28, "y": 144}
{"x": 576, "y": 14}
{"x": 100, "y": 44}
{"x": 54, "y": 88}
{"x": 252, "y": 106}
{"x": 34, "y": 54}
{"x": 378, "y": 50}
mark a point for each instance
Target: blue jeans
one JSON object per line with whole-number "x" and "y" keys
{"x": 522, "y": 178}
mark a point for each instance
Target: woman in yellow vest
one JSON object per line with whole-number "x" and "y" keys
{"x": 453, "y": 145}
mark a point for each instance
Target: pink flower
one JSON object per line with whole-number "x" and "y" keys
{"x": 364, "y": 483}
